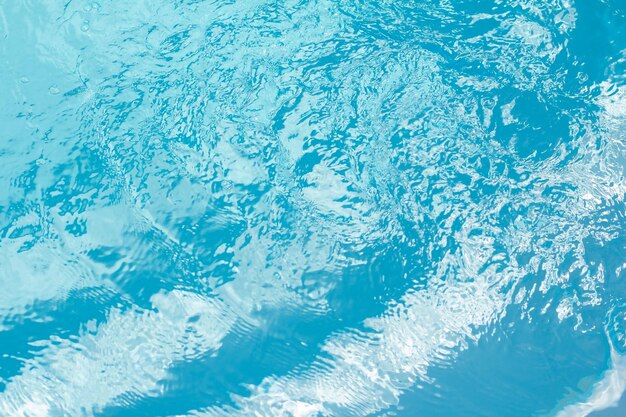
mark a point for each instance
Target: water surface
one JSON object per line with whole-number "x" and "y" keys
{"x": 312, "y": 208}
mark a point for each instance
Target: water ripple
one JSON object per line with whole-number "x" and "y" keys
{"x": 309, "y": 208}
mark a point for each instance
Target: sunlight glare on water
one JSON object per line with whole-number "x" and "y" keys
{"x": 313, "y": 208}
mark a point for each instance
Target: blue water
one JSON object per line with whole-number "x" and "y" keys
{"x": 313, "y": 208}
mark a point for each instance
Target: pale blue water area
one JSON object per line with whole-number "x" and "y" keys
{"x": 313, "y": 208}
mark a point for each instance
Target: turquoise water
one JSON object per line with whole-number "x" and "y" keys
{"x": 313, "y": 208}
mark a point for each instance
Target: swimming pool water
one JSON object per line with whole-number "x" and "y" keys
{"x": 312, "y": 208}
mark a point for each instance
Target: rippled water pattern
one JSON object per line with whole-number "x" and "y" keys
{"x": 309, "y": 208}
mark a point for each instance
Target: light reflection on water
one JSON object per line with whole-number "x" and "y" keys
{"x": 312, "y": 208}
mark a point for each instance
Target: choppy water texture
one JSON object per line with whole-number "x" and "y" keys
{"x": 312, "y": 208}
